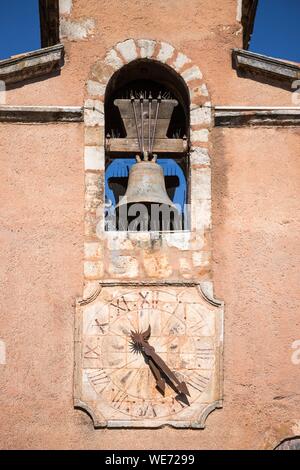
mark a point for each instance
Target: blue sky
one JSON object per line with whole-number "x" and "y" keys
{"x": 19, "y": 27}
{"x": 277, "y": 29}
{"x": 276, "y": 32}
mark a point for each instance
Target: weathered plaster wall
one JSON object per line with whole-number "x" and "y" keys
{"x": 256, "y": 179}
{"x": 255, "y": 241}
{"x": 206, "y": 31}
{"x": 256, "y": 255}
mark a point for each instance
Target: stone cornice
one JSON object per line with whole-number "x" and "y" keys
{"x": 241, "y": 116}
{"x": 41, "y": 114}
{"x": 31, "y": 64}
{"x": 225, "y": 116}
{"x": 257, "y": 66}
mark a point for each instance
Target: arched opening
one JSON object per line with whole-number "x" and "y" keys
{"x": 144, "y": 76}
{"x": 147, "y": 100}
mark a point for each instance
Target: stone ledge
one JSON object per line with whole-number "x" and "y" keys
{"x": 40, "y": 114}
{"x": 252, "y": 65}
{"x": 32, "y": 64}
{"x": 235, "y": 116}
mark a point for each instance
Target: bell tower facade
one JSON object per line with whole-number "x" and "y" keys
{"x": 147, "y": 272}
{"x": 183, "y": 155}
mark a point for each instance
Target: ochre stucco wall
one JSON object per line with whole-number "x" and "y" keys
{"x": 256, "y": 238}
{"x": 255, "y": 175}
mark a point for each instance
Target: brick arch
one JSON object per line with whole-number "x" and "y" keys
{"x": 130, "y": 50}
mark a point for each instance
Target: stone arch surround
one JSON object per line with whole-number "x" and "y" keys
{"x": 123, "y": 255}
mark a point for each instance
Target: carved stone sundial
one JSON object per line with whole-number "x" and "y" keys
{"x": 149, "y": 355}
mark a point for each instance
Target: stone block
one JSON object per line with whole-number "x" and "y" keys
{"x": 199, "y": 95}
{"x": 100, "y": 229}
{"x": 200, "y": 184}
{"x": 127, "y": 49}
{"x": 94, "y": 136}
{"x": 2, "y": 352}
{"x": 95, "y": 88}
{"x": 94, "y": 158}
{"x": 201, "y": 116}
{"x": 201, "y": 215}
{"x": 65, "y": 7}
{"x": 118, "y": 241}
{"x": 113, "y": 60}
{"x": 198, "y": 241}
{"x": 101, "y": 72}
{"x": 93, "y": 118}
{"x": 91, "y": 182}
{"x": 93, "y": 113}
{"x": 199, "y": 156}
{"x": 201, "y": 259}
{"x": 193, "y": 73}
{"x": 157, "y": 265}
{"x": 204, "y": 90}
{"x": 200, "y": 135}
{"x": 76, "y": 30}
{"x": 90, "y": 224}
{"x": 166, "y": 51}
{"x": 94, "y": 192}
{"x": 179, "y": 240}
{"x": 123, "y": 266}
{"x": 93, "y": 269}
{"x": 185, "y": 267}
{"x": 94, "y": 105}
{"x": 147, "y": 47}
{"x": 91, "y": 203}
{"x": 180, "y": 61}
{"x": 92, "y": 250}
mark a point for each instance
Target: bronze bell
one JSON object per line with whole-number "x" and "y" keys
{"x": 146, "y": 184}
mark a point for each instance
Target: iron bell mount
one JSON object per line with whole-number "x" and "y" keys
{"x": 146, "y": 182}
{"x": 150, "y": 117}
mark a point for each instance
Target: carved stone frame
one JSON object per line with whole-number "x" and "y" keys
{"x": 205, "y": 290}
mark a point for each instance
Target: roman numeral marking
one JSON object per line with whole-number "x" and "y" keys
{"x": 198, "y": 382}
{"x": 121, "y": 304}
{"x": 204, "y": 353}
{"x": 99, "y": 379}
{"x": 150, "y": 299}
{"x": 197, "y": 327}
{"x": 91, "y": 353}
{"x": 119, "y": 398}
{"x": 101, "y": 326}
{"x": 147, "y": 410}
